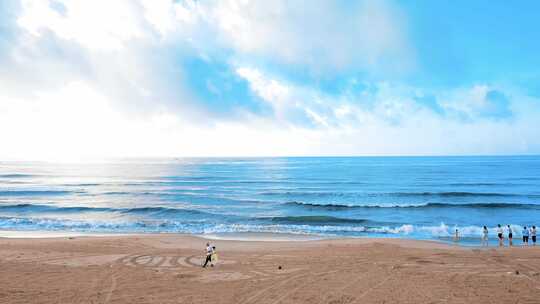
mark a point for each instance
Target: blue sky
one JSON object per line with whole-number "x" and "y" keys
{"x": 141, "y": 78}
{"x": 460, "y": 43}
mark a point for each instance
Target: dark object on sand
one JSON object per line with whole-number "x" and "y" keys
{"x": 517, "y": 271}
{"x": 279, "y": 267}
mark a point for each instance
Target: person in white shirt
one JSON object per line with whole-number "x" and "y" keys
{"x": 209, "y": 252}
{"x": 485, "y": 236}
{"x": 510, "y": 233}
{"x": 525, "y": 234}
{"x": 500, "y": 235}
{"x": 533, "y": 235}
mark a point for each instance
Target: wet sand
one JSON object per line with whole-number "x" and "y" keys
{"x": 166, "y": 269}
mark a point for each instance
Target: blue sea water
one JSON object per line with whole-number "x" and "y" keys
{"x": 410, "y": 197}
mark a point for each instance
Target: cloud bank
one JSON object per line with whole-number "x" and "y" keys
{"x": 145, "y": 78}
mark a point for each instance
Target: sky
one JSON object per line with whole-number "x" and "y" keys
{"x": 160, "y": 78}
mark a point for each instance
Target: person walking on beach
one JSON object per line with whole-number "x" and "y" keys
{"x": 500, "y": 235}
{"x": 525, "y": 234}
{"x": 510, "y": 233}
{"x": 533, "y": 235}
{"x": 485, "y": 236}
{"x": 209, "y": 253}
{"x": 456, "y": 236}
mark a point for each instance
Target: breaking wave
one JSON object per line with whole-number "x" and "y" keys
{"x": 415, "y": 206}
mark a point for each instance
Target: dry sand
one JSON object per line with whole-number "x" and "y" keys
{"x": 166, "y": 269}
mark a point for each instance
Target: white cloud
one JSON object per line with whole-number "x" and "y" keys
{"x": 387, "y": 119}
{"x": 478, "y": 100}
{"x": 325, "y": 35}
{"x": 78, "y": 122}
{"x": 160, "y": 14}
{"x": 101, "y": 78}
{"x": 97, "y": 25}
{"x": 270, "y": 90}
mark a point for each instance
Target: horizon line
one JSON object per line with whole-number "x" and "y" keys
{"x": 128, "y": 158}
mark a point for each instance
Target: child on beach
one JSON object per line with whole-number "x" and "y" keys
{"x": 209, "y": 253}
{"x": 485, "y": 236}
{"x": 500, "y": 235}
{"x": 214, "y": 255}
{"x": 509, "y": 236}
{"x": 525, "y": 234}
{"x": 533, "y": 235}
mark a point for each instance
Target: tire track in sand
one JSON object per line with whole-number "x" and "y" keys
{"x": 112, "y": 288}
{"x": 316, "y": 277}
{"x": 263, "y": 291}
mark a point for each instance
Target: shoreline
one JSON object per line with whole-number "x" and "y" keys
{"x": 259, "y": 240}
{"x": 251, "y": 237}
{"x": 234, "y": 237}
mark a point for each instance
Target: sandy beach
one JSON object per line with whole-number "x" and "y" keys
{"x": 166, "y": 269}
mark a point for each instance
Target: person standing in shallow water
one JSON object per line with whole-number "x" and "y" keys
{"x": 525, "y": 234}
{"x": 510, "y": 234}
{"x": 533, "y": 235}
{"x": 485, "y": 236}
{"x": 209, "y": 253}
{"x": 500, "y": 235}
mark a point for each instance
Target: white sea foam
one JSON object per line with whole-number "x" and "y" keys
{"x": 204, "y": 227}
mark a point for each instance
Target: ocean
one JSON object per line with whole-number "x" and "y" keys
{"x": 405, "y": 197}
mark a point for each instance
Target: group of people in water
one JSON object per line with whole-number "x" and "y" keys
{"x": 525, "y": 233}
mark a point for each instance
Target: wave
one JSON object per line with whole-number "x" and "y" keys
{"x": 393, "y": 194}
{"x": 35, "y": 208}
{"x": 161, "y": 210}
{"x": 53, "y": 224}
{"x": 475, "y": 184}
{"x": 441, "y": 231}
{"x": 314, "y": 219}
{"x": 323, "y": 206}
{"x": 34, "y": 192}
{"x": 484, "y": 205}
{"x": 308, "y": 193}
{"x": 415, "y": 206}
{"x": 183, "y": 195}
{"x": 47, "y": 208}
{"x": 16, "y": 175}
{"x": 454, "y": 194}
{"x": 82, "y": 185}
{"x": 121, "y": 193}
